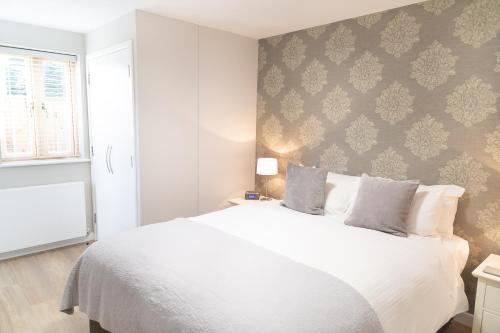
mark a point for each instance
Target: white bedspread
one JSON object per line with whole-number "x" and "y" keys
{"x": 413, "y": 283}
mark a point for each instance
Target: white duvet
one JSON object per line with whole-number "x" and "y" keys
{"x": 413, "y": 283}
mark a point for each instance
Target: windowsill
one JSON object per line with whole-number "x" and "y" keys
{"x": 15, "y": 164}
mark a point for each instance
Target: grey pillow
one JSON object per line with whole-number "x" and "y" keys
{"x": 383, "y": 204}
{"x": 305, "y": 189}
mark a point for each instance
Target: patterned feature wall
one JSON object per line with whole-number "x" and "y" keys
{"x": 411, "y": 93}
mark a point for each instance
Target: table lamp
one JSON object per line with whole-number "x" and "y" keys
{"x": 267, "y": 166}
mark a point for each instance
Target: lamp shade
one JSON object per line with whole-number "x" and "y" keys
{"x": 267, "y": 166}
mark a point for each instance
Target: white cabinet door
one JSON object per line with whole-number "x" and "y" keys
{"x": 491, "y": 323}
{"x": 111, "y": 109}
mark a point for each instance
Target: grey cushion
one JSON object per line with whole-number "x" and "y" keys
{"x": 305, "y": 189}
{"x": 383, "y": 204}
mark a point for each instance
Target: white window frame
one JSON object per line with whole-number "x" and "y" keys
{"x": 77, "y": 112}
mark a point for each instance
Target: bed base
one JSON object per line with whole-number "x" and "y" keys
{"x": 94, "y": 327}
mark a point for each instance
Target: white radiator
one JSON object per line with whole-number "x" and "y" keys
{"x": 37, "y": 215}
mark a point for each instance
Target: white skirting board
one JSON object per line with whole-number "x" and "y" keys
{"x": 38, "y": 215}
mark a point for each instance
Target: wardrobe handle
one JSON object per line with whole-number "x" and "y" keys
{"x": 107, "y": 155}
{"x": 110, "y": 165}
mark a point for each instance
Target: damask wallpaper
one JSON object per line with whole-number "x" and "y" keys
{"x": 411, "y": 93}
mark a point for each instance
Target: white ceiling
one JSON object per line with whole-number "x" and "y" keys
{"x": 252, "y": 18}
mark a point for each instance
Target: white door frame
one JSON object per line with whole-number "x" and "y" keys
{"x": 94, "y": 55}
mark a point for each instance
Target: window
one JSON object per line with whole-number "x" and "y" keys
{"x": 38, "y": 114}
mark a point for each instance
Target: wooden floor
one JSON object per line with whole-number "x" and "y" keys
{"x": 30, "y": 291}
{"x": 456, "y": 328}
{"x": 31, "y": 288}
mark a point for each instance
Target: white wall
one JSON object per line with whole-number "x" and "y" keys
{"x": 166, "y": 90}
{"x": 120, "y": 30}
{"x": 227, "y": 104}
{"x": 39, "y": 38}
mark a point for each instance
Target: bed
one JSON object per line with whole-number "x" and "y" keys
{"x": 266, "y": 268}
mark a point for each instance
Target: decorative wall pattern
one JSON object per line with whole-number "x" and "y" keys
{"x": 411, "y": 93}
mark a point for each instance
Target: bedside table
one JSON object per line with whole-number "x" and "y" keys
{"x": 487, "y": 307}
{"x": 242, "y": 201}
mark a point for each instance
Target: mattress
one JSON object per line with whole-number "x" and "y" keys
{"x": 263, "y": 267}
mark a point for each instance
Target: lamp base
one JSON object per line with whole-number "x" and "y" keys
{"x": 263, "y": 198}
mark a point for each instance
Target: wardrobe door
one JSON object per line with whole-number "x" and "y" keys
{"x": 167, "y": 110}
{"x": 227, "y": 113}
{"x": 111, "y": 109}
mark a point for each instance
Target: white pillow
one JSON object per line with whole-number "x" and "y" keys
{"x": 425, "y": 211}
{"x": 433, "y": 210}
{"x": 451, "y": 195}
{"x": 340, "y": 191}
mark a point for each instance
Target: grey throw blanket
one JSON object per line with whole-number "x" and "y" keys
{"x": 183, "y": 276}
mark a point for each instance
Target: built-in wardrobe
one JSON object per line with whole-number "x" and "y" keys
{"x": 194, "y": 111}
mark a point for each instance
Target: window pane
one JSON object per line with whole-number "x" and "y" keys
{"x": 54, "y": 79}
{"x": 16, "y": 117}
{"x": 55, "y": 115}
{"x": 57, "y": 126}
{"x": 16, "y": 76}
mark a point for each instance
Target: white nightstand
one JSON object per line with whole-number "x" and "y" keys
{"x": 242, "y": 201}
{"x": 487, "y": 308}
